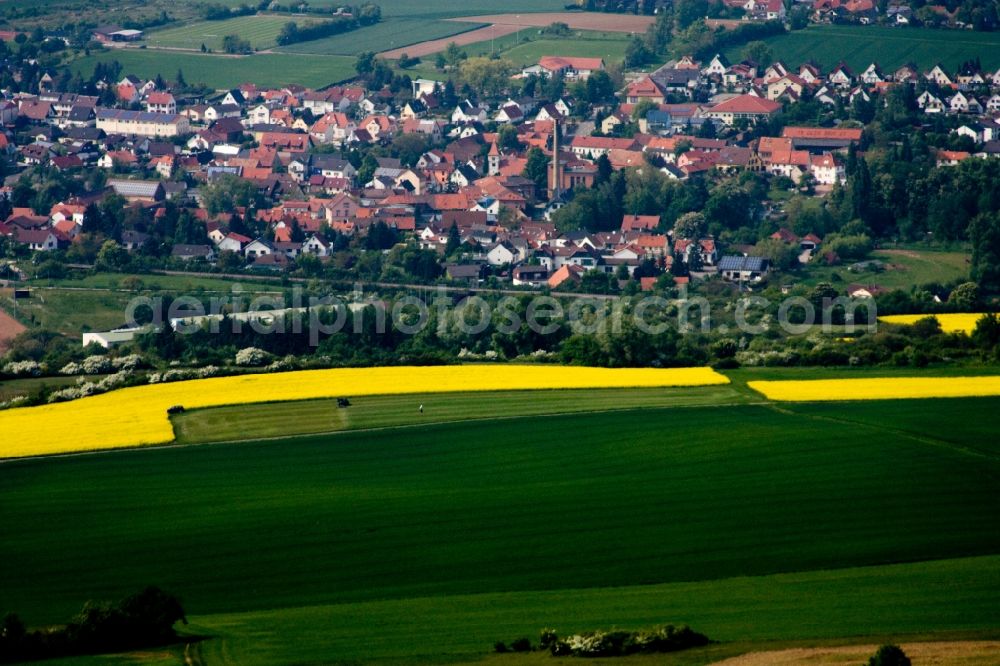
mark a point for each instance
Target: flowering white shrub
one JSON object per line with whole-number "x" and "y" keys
{"x": 252, "y": 357}
{"x": 96, "y": 365}
{"x": 488, "y": 355}
{"x": 180, "y": 374}
{"x": 130, "y": 362}
{"x": 71, "y": 368}
{"x": 23, "y": 369}
{"x": 14, "y": 402}
{"x": 766, "y": 358}
{"x": 282, "y": 365}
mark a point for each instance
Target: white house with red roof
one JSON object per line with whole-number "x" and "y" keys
{"x": 161, "y": 102}
{"x": 571, "y": 68}
{"x": 743, "y": 107}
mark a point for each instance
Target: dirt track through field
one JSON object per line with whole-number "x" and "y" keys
{"x": 9, "y": 328}
{"x": 945, "y": 653}
{"x": 499, "y": 25}
{"x": 575, "y": 20}
{"x": 435, "y": 45}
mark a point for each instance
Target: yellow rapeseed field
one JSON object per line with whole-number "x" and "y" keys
{"x": 963, "y": 322}
{"x": 138, "y": 415}
{"x": 877, "y": 388}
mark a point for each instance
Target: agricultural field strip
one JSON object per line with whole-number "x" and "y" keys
{"x": 393, "y": 34}
{"x": 260, "y": 31}
{"x": 137, "y": 416}
{"x": 890, "y": 47}
{"x": 877, "y": 388}
{"x": 780, "y": 603}
{"x": 950, "y": 322}
{"x": 224, "y": 71}
{"x": 474, "y": 419}
{"x": 447, "y": 479}
{"x": 904, "y": 36}
{"x": 902, "y": 432}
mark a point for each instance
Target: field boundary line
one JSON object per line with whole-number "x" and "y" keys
{"x": 929, "y": 441}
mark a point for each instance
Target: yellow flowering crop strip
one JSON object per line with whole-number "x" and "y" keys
{"x": 138, "y": 415}
{"x": 963, "y": 322}
{"x": 877, "y": 388}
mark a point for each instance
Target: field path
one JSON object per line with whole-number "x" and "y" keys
{"x": 470, "y": 37}
{"x": 9, "y": 329}
{"x": 575, "y": 20}
{"x": 945, "y": 653}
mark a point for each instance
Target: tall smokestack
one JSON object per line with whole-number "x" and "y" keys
{"x": 556, "y": 176}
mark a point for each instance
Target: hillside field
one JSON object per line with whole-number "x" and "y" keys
{"x": 387, "y": 34}
{"x": 260, "y": 31}
{"x": 859, "y": 46}
{"x": 448, "y": 9}
{"x": 429, "y": 541}
{"x": 222, "y": 71}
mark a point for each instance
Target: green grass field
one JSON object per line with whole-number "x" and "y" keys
{"x": 525, "y": 48}
{"x": 260, "y": 31}
{"x": 388, "y": 34}
{"x": 219, "y": 71}
{"x": 903, "y": 269}
{"x": 610, "y": 46}
{"x": 426, "y": 544}
{"x": 320, "y": 416}
{"x": 99, "y": 302}
{"x": 859, "y": 46}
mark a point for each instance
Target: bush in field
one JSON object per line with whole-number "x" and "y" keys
{"x": 252, "y": 357}
{"x": 521, "y": 645}
{"x": 621, "y": 643}
{"x": 889, "y": 655}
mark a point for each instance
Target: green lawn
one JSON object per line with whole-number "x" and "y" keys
{"x": 260, "y": 31}
{"x": 859, "y": 46}
{"x": 388, "y": 34}
{"x": 219, "y": 71}
{"x": 519, "y": 505}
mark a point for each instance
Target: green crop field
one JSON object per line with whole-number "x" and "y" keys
{"x": 859, "y": 46}
{"x": 426, "y": 542}
{"x": 448, "y": 9}
{"x": 220, "y": 71}
{"x": 260, "y": 31}
{"x": 388, "y": 34}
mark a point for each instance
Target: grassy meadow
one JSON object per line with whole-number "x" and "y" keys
{"x": 260, "y": 30}
{"x": 901, "y": 269}
{"x": 427, "y": 543}
{"x": 859, "y": 46}
{"x": 99, "y": 302}
{"x": 223, "y": 71}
